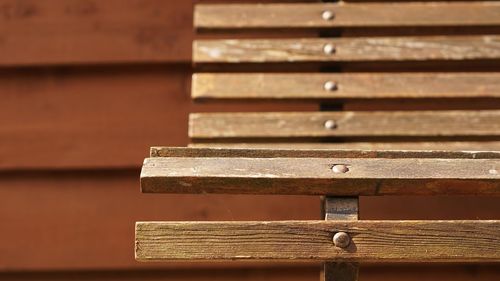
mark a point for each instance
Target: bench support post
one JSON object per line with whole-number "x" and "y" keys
{"x": 340, "y": 208}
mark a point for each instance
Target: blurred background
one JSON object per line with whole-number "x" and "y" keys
{"x": 86, "y": 87}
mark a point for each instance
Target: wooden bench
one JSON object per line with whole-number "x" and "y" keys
{"x": 404, "y": 91}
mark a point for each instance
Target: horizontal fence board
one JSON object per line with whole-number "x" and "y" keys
{"x": 61, "y": 119}
{"x": 319, "y": 153}
{"x": 371, "y": 241}
{"x": 65, "y": 212}
{"x": 316, "y": 176}
{"x": 425, "y": 145}
{"x": 331, "y": 86}
{"x": 237, "y": 16}
{"x": 345, "y": 124}
{"x": 62, "y": 32}
{"x": 423, "y": 48}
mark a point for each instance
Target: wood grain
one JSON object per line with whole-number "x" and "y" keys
{"x": 237, "y": 16}
{"x": 372, "y": 241}
{"x": 424, "y": 48}
{"x": 314, "y": 176}
{"x": 346, "y": 124}
{"x": 316, "y": 153}
{"x": 230, "y": 86}
{"x": 417, "y": 145}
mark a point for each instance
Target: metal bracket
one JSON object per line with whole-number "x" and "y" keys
{"x": 340, "y": 208}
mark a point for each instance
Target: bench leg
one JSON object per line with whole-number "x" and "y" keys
{"x": 340, "y": 208}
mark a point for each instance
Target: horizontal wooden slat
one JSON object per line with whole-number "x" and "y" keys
{"x": 234, "y": 16}
{"x": 319, "y": 153}
{"x": 445, "y": 145}
{"x": 63, "y": 32}
{"x": 430, "y": 48}
{"x": 316, "y": 176}
{"x": 347, "y": 86}
{"x": 345, "y": 124}
{"x": 53, "y": 119}
{"x": 371, "y": 241}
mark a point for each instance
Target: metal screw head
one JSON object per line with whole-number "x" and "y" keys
{"x": 340, "y": 169}
{"x": 329, "y": 49}
{"x": 330, "y": 124}
{"x": 330, "y": 86}
{"x": 328, "y": 15}
{"x": 341, "y": 239}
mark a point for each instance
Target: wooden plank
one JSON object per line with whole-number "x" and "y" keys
{"x": 417, "y": 145}
{"x": 424, "y": 48}
{"x": 332, "y": 86}
{"x": 320, "y": 15}
{"x": 54, "y": 220}
{"x": 62, "y": 32}
{"x": 345, "y": 124}
{"x": 53, "y": 119}
{"x": 340, "y": 208}
{"x": 319, "y": 176}
{"x": 319, "y": 153}
{"x": 371, "y": 241}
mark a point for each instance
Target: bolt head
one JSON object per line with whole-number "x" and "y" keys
{"x": 330, "y": 124}
{"x": 328, "y": 15}
{"x": 341, "y": 239}
{"x": 340, "y": 169}
{"x": 330, "y": 86}
{"x": 329, "y": 49}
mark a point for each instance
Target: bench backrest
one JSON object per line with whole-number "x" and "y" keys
{"x": 421, "y": 77}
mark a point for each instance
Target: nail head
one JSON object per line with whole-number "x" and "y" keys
{"x": 340, "y": 169}
{"x": 328, "y": 15}
{"x": 330, "y": 86}
{"x": 329, "y": 49}
{"x": 330, "y": 124}
{"x": 341, "y": 239}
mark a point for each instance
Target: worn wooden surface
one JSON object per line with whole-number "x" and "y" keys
{"x": 422, "y": 145}
{"x": 340, "y": 208}
{"x": 347, "y": 124}
{"x": 236, "y": 16}
{"x": 314, "y": 176}
{"x": 317, "y": 153}
{"x": 430, "y": 48}
{"x": 371, "y": 241}
{"x": 348, "y": 85}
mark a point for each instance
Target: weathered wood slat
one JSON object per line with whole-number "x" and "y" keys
{"x": 424, "y": 145}
{"x": 319, "y": 153}
{"x": 345, "y": 86}
{"x": 425, "y": 48}
{"x": 318, "y": 176}
{"x": 345, "y": 124}
{"x": 318, "y": 15}
{"x": 371, "y": 241}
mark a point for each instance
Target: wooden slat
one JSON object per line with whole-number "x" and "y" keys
{"x": 272, "y": 152}
{"x": 62, "y": 32}
{"x": 237, "y": 16}
{"x": 442, "y": 145}
{"x": 425, "y": 48}
{"x": 345, "y": 124}
{"x": 316, "y": 176}
{"x": 42, "y": 127}
{"x": 372, "y": 241}
{"x": 348, "y": 86}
